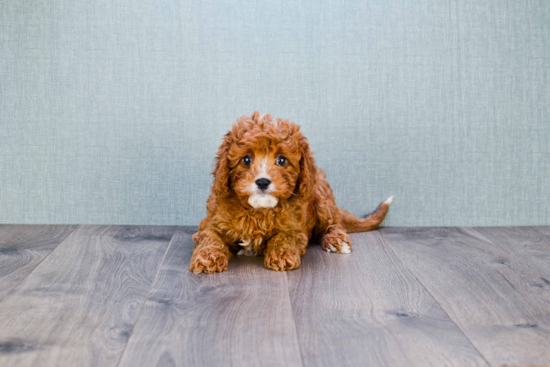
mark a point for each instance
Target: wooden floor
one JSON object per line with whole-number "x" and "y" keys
{"x": 123, "y": 296}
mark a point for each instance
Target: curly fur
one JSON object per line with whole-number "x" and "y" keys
{"x": 279, "y": 221}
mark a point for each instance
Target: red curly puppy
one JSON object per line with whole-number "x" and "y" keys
{"x": 269, "y": 198}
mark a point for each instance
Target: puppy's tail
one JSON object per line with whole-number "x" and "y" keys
{"x": 354, "y": 224}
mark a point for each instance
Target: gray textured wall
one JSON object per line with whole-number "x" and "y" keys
{"x": 111, "y": 111}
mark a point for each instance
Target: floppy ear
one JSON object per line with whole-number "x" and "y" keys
{"x": 221, "y": 171}
{"x": 308, "y": 171}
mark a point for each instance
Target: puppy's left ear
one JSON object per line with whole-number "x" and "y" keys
{"x": 308, "y": 172}
{"x": 221, "y": 171}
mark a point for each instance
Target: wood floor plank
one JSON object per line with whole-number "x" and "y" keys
{"x": 241, "y": 317}
{"x": 490, "y": 294}
{"x": 23, "y": 247}
{"x": 530, "y": 245}
{"x": 367, "y": 309}
{"x": 79, "y": 306}
{"x": 545, "y": 230}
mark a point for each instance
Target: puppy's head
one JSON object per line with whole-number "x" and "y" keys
{"x": 264, "y": 161}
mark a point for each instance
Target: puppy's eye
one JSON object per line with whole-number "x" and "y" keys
{"x": 247, "y": 160}
{"x": 281, "y": 161}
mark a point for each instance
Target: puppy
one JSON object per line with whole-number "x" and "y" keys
{"x": 269, "y": 198}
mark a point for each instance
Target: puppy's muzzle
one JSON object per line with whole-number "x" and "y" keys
{"x": 262, "y": 183}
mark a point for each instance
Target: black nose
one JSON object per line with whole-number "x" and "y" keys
{"x": 263, "y": 183}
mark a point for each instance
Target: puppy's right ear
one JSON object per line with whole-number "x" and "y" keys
{"x": 308, "y": 171}
{"x": 221, "y": 171}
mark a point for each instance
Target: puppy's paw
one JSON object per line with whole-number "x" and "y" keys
{"x": 282, "y": 258}
{"x": 337, "y": 241}
{"x": 247, "y": 248}
{"x": 208, "y": 261}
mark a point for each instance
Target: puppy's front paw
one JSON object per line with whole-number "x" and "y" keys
{"x": 282, "y": 258}
{"x": 336, "y": 241}
{"x": 208, "y": 261}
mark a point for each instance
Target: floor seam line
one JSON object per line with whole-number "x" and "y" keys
{"x": 147, "y": 297}
{"x": 294, "y": 320}
{"x": 435, "y": 299}
{"x": 41, "y": 261}
{"x": 495, "y": 243}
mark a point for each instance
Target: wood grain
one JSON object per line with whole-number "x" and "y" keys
{"x": 79, "y": 299}
{"x": 544, "y": 230}
{"x": 241, "y": 317}
{"x": 23, "y": 247}
{"x": 367, "y": 309}
{"x": 489, "y": 293}
{"x": 80, "y": 304}
{"x": 528, "y": 244}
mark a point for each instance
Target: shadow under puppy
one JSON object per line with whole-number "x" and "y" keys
{"x": 269, "y": 198}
